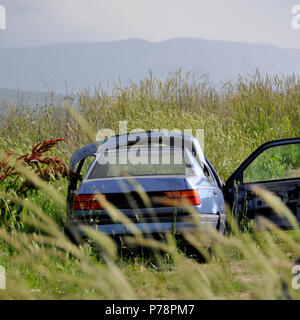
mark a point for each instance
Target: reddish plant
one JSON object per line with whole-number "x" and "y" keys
{"x": 46, "y": 168}
{"x": 5, "y": 169}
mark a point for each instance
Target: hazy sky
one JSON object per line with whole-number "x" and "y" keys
{"x": 40, "y": 22}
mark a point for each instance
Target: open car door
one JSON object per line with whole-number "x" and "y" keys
{"x": 274, "y": 166}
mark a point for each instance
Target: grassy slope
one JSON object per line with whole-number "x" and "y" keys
{"x": 236, "y": 119}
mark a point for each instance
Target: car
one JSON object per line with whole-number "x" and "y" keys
{"x": 180, "y": 183}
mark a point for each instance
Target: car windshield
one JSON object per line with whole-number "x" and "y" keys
{"x": 143, "y": 162}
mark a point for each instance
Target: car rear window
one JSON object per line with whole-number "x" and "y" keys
{"x": 147, "y": 162}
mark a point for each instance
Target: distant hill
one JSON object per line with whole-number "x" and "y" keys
{"x": 86, "y": 64}
{"x": 29, "y": 98}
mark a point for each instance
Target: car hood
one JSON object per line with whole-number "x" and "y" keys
{"x": 121, "y": 185}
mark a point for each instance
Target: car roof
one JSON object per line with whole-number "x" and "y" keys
{"x": 138, "y": 138}
{"x": 152, "y": 147}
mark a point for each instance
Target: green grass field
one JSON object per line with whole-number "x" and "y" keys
{"x": 40, "y": 261}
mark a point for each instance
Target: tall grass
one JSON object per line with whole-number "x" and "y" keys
{"x": 237, "y": 118}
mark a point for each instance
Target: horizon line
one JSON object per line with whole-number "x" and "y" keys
{"x": 146, "y": 40}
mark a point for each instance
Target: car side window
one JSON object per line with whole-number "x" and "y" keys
{"x": 276, "y": 163}
{"x": 87, "y": 166}
{"x": 216, "y": 179}
{"x": 209, "y": 175}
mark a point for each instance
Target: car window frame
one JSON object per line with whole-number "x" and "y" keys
{"x": 215, "y": 176}
{"x": 266, "y": 181}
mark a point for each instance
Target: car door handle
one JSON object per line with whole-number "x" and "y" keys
{"x": 215, "y": 192}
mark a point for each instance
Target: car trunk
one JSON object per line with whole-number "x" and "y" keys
{"x": 121, "y": 185}
{"x": 123, "y": 194}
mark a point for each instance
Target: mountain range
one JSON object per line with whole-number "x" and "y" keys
{"x": 66, "y": 66}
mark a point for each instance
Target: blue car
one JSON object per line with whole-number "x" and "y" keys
{"x": 178, "y": 180}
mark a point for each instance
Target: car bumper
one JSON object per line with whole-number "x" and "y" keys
{"x": 204, "y": 221}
